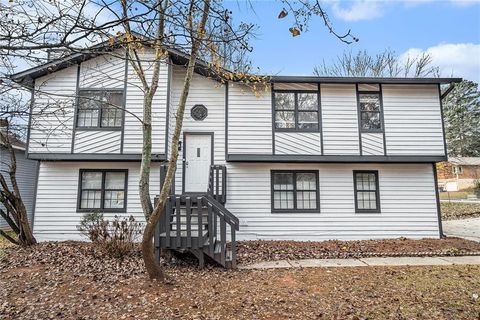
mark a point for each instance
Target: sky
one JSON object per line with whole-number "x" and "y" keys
{"x": 449, "y": 30}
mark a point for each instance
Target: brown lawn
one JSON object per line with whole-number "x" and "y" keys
{"x": 71, "y": 281}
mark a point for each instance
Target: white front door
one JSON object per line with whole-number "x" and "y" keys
{"x": 198, "y": 158}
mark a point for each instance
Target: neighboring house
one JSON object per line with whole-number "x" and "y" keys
{"x": 26, "y": 174}
{"x": 458, "y": 173}
{"x": 312, "y": 158}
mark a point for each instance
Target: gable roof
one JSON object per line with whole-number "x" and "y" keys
{"x": 180, "y": 58}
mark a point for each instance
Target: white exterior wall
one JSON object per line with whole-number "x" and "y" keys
{"x": 298, "y": 143}
{"x": 249, "y": 121}
{"x": 413, "y": 120}
{"x": 339, "y": 119}
{"x": 202, "y": 91}
{"x": 53, "y": 110}
{"x": 372, "y": 144}
{"x": 56, "y": 216}
{"x": 407, "y": 201}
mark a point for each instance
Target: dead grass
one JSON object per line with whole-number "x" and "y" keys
{"x": 458, "y": 210}
{"x": 69, "y": 281}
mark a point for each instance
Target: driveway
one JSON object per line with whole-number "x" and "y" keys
{"x": 465, "y": 228}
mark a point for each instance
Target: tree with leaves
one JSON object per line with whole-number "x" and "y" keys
{"x": 383, "y": 64}
{"x": 461, "y": 110}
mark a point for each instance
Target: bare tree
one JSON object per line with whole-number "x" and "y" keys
{"x": 383, "y": 64}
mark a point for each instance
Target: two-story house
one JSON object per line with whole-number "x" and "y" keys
{"x": 312, "y": 158}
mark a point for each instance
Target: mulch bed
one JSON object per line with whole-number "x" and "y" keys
{"x": 257, "y": 251}
{"x": 458, "y": 210}
{"x": 71, "y": 280}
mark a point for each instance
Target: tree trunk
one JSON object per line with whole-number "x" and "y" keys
{"x": 154, "y": 270}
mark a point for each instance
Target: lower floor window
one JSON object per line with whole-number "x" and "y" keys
{"x": 102, "y": 190}
{"x": 367, "y": 198}
{"x": 295, "y": 191}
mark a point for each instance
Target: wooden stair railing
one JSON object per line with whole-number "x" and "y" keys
{"x": 199, "y": 224}
{"x": 217, "y": 183}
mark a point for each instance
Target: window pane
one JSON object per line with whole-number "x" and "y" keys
{"x": 115, "y": 180}
{"x": 306, "y": 200}
{"x": 308, "y": 120}
{"x": 111, "y": 117}
{"x": 307, "y": 101}
{"x": 284, "y": 101}
{"x": 306, "y": 181}
{"x": 366, "y": 200}
{"x": 92, "y": 180}
{"x": 283, "y": 200}
{"x": 371, "y": 121}
{"x": 366, "y": 181}
{"x": 283, "y": 181}
{"x": 284, "y": 119}
{"x": 87, "y": 117}
{"x": 114, "y": 199}
{"x": 90, "y": 199}
{"x": 369, "y": 102}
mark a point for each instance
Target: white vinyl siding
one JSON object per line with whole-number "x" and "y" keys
{"x": 212, "y": 95}
{"x": 56, "y": 216}
{"x": 53, "y": 110}
{"x": 413, "y": 122}
{"x": 102, "y": 141}
{"x": 298, "y": 143}
{"x": 133, "y": 136}
{"x": 249, "y": 121}
{"x": 407, "y": 199}
{"x": 339, "y": 119}
{"x": 295, "y": 86}
{"x": 105, "y": 71}
{"x": 372, "y": 144}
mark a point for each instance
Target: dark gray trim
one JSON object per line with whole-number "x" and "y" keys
{"x": 332, "y": 159}
{"x": 77, "y": 90}
{"x": 382, "y": 115}
{"x": 359, "y": 120}
{"x": 320, "y": 117}
{"x": 296, "y": 111}
{"x": 437, "y": 196}
{"x": 226, "y": 119}
{"x": 167, "y": 118}
{"x": 353, "y": 80}
{"x": 449, "y": 89}
{"x": 125, "y": 86}
{"x": 295, "y": 210}
{"x": 377, "y": 192}
{"x": 98, "y": 129}
{"x": 92, "y": 157}
{"x": 34, "y": 204}
{"x": 445, "y": 148}
{"x": 272, "y": 98}
{"x": 184, "y": 146}
{"x": 101, "y": 209}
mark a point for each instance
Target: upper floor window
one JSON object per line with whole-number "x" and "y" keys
{"x": 295, "y": 191}
{"x": 102, "y": 190}
{"x": 100, "y": 109}
{"x": 370, "y": 106}
{"x": 296, "y": 111}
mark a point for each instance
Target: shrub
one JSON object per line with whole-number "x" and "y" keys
{"x": 476, "y": 184}
{"x": 115, "y": 238}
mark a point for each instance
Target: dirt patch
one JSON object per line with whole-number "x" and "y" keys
{"x": 71, "y": 281}
{"x": 256, "y": 251}
{"x": 458, "y": 210}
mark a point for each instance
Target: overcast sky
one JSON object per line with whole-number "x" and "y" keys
{"x": 449, "y": 30}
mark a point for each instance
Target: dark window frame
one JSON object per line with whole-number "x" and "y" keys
{"x": 377, "y": 191}
{"x": 380, "y": 111}
{"x": 294, "y": 209}
{"x": 296, "y": 111}
{"x": 102, "y": 191}
{"x": 99, "y": 126}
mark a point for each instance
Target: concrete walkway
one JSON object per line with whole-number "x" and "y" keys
{"x": 465, "y": 228}
{"x": 388, "y": 261}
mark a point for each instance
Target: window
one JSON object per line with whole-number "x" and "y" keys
{"x": 102, "y": 190}
{"x": 457, "y": 170}
{"x": 370, "y": 112}
{"x": 296, "y": 111}
{"x": 367, "y": 198}
{"x": 100, "y": 109}
{"x": 295, "y": 191}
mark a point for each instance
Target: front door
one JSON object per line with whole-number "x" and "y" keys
{"x": 198, "y": 158}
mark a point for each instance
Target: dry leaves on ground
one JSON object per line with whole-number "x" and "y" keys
{"x": 458, "y": 210}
